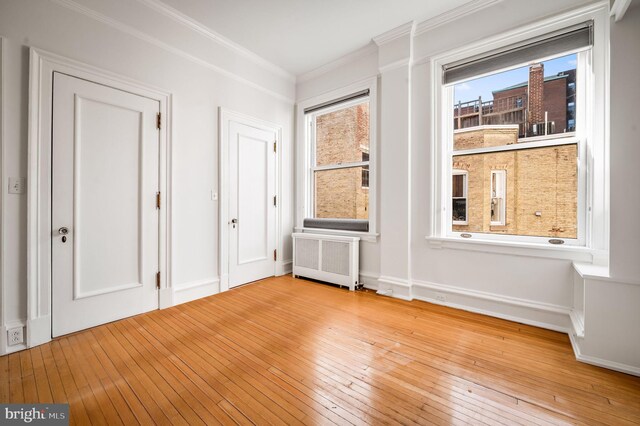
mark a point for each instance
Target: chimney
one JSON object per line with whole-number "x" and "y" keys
{"x": 536, "y": 94}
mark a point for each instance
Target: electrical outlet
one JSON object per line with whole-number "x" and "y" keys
{"x": 15, "y": 336}
{"x": 440, "y": 297}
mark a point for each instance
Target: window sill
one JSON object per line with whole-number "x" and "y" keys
{"x": 369, "y": 237}
{"x": 574, "y": 253}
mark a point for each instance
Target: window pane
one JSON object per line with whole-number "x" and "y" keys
{"x": 535, "y": 100}
{"x": 458, "y": 186}
{"x": 342, "y": 136}
{"x": 340, "y": 194}
{"x": 460, "y": 210}
{"x": 540, "y": 193}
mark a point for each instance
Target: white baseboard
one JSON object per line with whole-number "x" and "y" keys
{"x": 284, "y": 267}
{"x": 195, "y": 290}
{"x": 398, "y": 287}
{"x": 552, "y": 317}
{"x": 599, "y": 362}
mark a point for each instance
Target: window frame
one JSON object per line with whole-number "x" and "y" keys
{"x": 305, "y": 157}
{"x": 593, "y": 151}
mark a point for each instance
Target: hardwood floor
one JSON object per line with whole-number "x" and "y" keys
{"x": 296, "y": 352}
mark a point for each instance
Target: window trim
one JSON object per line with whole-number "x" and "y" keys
{"x": 305, "y": 161}
{"x": 595, "y": 189}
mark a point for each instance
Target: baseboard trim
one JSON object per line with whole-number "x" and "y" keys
{"x": 194, "y": 290}
{"x": 599, "y": 362}
{"x": 38, "y": 331}
{"x": 284, "y": 267}
{"x": 551, "y": 317}
{"x": 394, "y": 287}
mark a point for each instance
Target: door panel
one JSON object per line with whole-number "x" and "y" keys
{"x": 252, "y": 188}
{"x": 105, "y": 177}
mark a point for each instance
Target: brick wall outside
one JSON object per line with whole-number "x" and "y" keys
{"x": 341, "y": 137}
{"x": 538, "y": 180}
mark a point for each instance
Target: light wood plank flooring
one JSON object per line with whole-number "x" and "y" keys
{"x": 285, "y": 351}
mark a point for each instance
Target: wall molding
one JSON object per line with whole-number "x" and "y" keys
{"x": 394, "y": 33}
{"x": 3, "y": 332}
{"x": 202, "y": 29}
{"x": 369, "y": 49}
{"x": 76, "y": 7}
{"x": 599, "y": 362}
{"x": 619, "y": 8}
{"x": 453, "y": 14}
{"x": 284, "y": 267}
{"x": 194, "y": 290}
{"x": 399, "y": 288}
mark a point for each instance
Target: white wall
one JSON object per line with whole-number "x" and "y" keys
{"x": 522, "y": 285}
{"x": 133, "y": 40}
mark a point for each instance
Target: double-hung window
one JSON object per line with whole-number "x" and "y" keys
{"x": 339, "y": 177}
{"x": 514, "y": 134}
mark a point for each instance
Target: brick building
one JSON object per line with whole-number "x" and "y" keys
{"x": 530, "y": 104}
{"x": 538, "y": 196}
{"x": 342, "y": 137}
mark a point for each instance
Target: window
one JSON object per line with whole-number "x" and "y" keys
{"x": 365, "y": 170}
{"x": 459, "y": 191}
{"x": 513, "y": 137}
{"x": 498, "y": 197}
{"x": 336, "y": 158}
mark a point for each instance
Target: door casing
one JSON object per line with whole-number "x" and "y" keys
{"x": 225, "y": 116}
{"x": 42, "y": 65}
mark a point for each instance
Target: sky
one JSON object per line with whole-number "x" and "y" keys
{"x": 471, "y": 90}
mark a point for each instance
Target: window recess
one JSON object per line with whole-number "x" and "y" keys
{"x": 339, "y": 172}
{"x": 514, "y": 128}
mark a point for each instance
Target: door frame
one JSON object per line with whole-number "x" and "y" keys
{"x": 42, "y": 65}
{"x": 225, "y": 116}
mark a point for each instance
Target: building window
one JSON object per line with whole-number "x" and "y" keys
{"x": 519, "y": 121}
{"x": 459, "y": 197}
{"x": 336, "y": 172}
{"x": 365, "y": 170}
{"x": 498, "y": 197}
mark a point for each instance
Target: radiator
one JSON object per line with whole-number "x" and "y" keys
{"x": 329, "y": 258}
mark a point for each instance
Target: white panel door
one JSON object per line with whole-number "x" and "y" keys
{"x": 105, "y": 224}
{"x": 251, "y": 203}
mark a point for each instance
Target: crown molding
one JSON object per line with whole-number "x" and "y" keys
{"x": 619, "y": 8}
{"x": 337, "y": 63}
{"x": 76, "y": 7}
{"x": 393, "y": 34}
{"x": 200, "y": 28}
{"x": 453, "y": 14}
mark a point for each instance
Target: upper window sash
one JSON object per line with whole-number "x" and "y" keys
{"x": 311, "y": 120}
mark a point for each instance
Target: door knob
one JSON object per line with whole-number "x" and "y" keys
{"x": 63, "y": 231}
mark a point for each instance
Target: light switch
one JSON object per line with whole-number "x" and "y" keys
{"x": 17, "y": 185}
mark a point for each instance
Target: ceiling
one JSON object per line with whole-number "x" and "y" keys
{"x": 301, "y": 35}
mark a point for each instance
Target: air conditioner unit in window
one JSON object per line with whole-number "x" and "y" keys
{"x": 330, "y": 258}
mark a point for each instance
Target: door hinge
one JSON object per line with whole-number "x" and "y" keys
{"x": 275, "y": 255}
{"x": 158, "y": 280}
{"x": 274, "y": 147}
{"x": 158, "y": 121}
{"x": 275, "y": 202}
{"x": 157, "y": 200}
